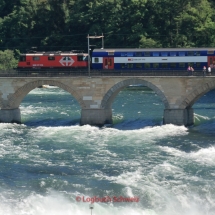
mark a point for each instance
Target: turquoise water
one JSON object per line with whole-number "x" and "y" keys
{"x": 51, "y": 165}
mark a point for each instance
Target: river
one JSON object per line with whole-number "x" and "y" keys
{"x": 50, "y": 165}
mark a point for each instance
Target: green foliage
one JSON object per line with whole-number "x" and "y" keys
{"x": 64, "y": 24}
{"x": 7, "y": 60}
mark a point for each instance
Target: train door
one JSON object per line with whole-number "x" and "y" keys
{"x": 108, "y": 63}
{"x": 211, "y": 61}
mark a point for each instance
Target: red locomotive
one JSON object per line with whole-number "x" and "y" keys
{"x": 50, "y": 60}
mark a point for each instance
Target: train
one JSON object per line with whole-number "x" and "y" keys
{"x": 122, "y": 59}
{"x": 52, "y": 60}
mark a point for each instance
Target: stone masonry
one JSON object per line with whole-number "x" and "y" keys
{"x": 95, "y": 95}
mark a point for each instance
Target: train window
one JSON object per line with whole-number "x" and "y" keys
{"x": 80, "y": 58}
{"x": 110, "y": 53}
{"x": 181, "y": 65}
{"x": 51, "y": 58}
{"x": 190, "y": 64}
{"x": 190, "y": 53}
{"x": 181, "y": 53}
{"x": 36, "y": 58}
{"x": 155, "y": 65}
{"x": 172, "y": 65}
{"x": 96, "y": 60}
{"x": 130, "y": 54}
{"x": 164, "y": 65}
{"x": 210, "y": 51}
{"x": 138, "y": 54}
{"x": 146, "y": 65}
{"x": 123, "y": 65}
{"x": 138, "y": 65}
{"x": 197, "y": 53}
{"x": 110, "y": 62}
{"x": 22, "y": 58}
{"x": 147, "y": 54}
{"x": 85, "y": 58}
{"x": 173, "y": 54}
{"x": 155, "y": 54}
{"x": 164, "y": 54}
{"x": 198, "y": 65}
{"x": 130, "y": 65}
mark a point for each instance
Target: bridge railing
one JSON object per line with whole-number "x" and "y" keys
{"x": 96, "y": 73}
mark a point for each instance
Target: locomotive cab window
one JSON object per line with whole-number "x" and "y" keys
{"x": 85, "y": 58}
{"x": 51, "y": 58}
{"x": 36, "y": 58}
{"x": 22, "y": 58}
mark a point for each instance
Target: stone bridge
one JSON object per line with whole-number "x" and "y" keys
{"x": 95, "y": 95}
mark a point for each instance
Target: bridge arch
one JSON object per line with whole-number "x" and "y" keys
{"x": 114, "y": 90}
{"x": 15, "y": 99}
{"x": 197, "y": 92}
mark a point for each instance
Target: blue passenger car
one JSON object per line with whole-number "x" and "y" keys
{"x": 153, "y": 59}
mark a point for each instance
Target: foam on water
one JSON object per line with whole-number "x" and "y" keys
{"x": 205, "y": 156}
{"x": 56, "y": 203}
{"x": 45, "y": 167}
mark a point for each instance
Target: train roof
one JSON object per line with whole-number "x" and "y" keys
{"x": 53, "y": 53}
{"x": 152, "y": 49}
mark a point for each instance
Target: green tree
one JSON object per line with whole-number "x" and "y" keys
{"x": 7, "y": 60}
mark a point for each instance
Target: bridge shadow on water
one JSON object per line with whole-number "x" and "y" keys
{"x": 136, "y": 124}
{"x": 51, "y": 122}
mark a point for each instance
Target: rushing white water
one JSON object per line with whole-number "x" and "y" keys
{"x": 51, "y": 165}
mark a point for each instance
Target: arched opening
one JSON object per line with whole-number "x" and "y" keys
{"x": 204, "y": 112}
{"x": 50, "y": 106}
{"x": 137, "y": 107}
{"x": 33, "y": 91}
{"x": 199, "y": 103}
{"x": 135, "y": 104}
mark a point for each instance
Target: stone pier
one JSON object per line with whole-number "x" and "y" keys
{"x": 10, "y": 116}
{"x": 96, "y": 95}
{"x": 98, "y": 117}
{"x": 178, "y": 116}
